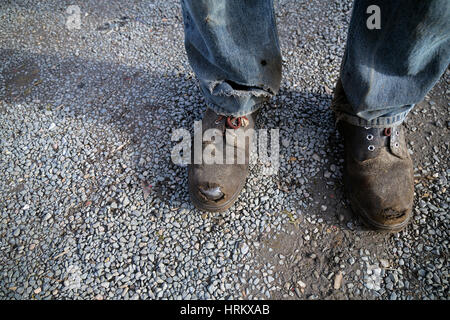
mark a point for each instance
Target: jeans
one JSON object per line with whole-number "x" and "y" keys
{"x": 232, "y": 46}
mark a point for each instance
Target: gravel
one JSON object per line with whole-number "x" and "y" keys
{"x": 93, "y": 208}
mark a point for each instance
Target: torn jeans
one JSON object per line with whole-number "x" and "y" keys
{"x": 232, "y": 46}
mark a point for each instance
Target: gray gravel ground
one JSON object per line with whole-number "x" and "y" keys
{"x": 93, "y": 208}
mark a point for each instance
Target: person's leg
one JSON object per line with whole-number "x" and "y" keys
{"x": 384, "y": 73}
{"x": 232, "y": 46}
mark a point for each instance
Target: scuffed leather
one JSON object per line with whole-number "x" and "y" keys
{"x": 364, "y": 138}
{"x": 210, "y": 179}
{"x": 380, "y": 189}
{"x": 379, "y": 182}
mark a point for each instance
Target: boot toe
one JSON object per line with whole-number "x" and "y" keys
{"x": 215, "y": 192}
{"x": 382, "y": 202}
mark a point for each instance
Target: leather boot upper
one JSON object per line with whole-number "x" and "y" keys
{"x": 215, "y": 186}
{"x": 378, "y": 173}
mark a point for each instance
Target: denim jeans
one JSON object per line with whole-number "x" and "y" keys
{"x": 232, "y": 46}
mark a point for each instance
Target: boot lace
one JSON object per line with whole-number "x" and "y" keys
{"x": 234, "y": 122}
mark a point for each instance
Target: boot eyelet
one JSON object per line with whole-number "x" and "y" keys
{"x": 396, "y": 144}
{"x": 397, "y": 133}
{"x": 369, "y": 137}
{"x": 371, "y": 148}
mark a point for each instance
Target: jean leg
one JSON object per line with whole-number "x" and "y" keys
{"x": 232, "y": 46}
{"x": 386, "y": 71}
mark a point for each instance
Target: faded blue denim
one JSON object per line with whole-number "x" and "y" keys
{"x": 233, "y": 48}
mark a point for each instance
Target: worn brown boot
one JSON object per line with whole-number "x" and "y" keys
{"x": 215, "y": 187}
{"x": 378, "y": 174}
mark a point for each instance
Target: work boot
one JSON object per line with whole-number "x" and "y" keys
{"x": 215, "y": 187}
{"x": 378, "y": 173}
